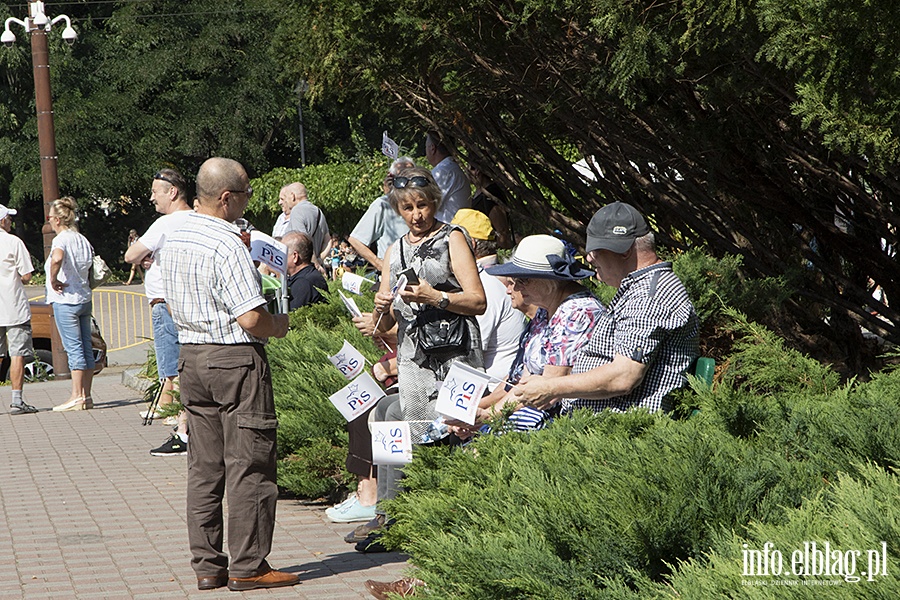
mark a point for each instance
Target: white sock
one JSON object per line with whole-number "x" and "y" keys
{"x": 17, "y": 396}
{"x": 183, "y": 437}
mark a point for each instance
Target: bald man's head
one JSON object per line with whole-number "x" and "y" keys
{"x": 217, "y": 175}
{"x": 297, "y": 189}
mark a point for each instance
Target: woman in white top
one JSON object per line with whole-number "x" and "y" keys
{"x": 69, "y": 292}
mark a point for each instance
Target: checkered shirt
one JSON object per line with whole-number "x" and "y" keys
{"x": 650, "y": 320}
{"x": 209, "y": 280}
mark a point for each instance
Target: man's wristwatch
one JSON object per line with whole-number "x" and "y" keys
{"x": 444, "y": 302}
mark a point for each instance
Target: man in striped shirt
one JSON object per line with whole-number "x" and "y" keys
{"x": 648, "y": 338}
{"x": 215, "y": 296}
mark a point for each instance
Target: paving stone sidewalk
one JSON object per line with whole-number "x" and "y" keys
{"x": 86, "y": 512}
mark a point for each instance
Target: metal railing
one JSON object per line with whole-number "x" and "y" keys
{"x": 124, "y": 317}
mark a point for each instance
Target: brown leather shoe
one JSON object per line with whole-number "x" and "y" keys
{"x": 269, "y": 579}
{"x": 404, "y": 588}
{"x": 213, "y": 582}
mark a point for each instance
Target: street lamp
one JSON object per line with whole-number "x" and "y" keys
{"x": 38, "y": 24}
{"x": 300, "y": 89}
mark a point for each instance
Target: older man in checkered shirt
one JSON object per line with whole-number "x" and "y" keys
{"x": 216, "y": 299}
{"x": 642, "y": 347}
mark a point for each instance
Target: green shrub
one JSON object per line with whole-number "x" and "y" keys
{"x": 343, "y": 190}
{"x": 620, "y": 505}
{"x": 312, "y": 437}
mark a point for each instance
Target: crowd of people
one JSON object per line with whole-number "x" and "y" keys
{"x": 546, "y": 341}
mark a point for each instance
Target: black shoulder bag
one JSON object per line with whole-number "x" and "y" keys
{"x": 438, "y": 331}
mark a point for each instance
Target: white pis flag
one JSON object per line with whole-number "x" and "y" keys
{"x": 389, "y": 147}
{"x": 357, "y": 397}
{"x": 459, "y": 396}
{"x": 353, "y": 282}
{"x": 391, "y": 443}
{"x": 349, "y": 361}
{"x": 268, "y": 250}
{"x": 350, "y": 303}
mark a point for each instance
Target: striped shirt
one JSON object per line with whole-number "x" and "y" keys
{"x": 209, "y": 280}
{"x": 650, "y": 320}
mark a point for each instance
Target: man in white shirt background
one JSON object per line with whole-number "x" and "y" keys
{"x": 455, "y": 186}
{"x": 15, "y": 314}
{"x": 169, "y": 194}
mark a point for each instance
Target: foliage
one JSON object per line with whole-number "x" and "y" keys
{"x": 642, "y": 506}
{"x": 312, "y": 437}
{"x": 745, "y": 126}
{"x": 151, "y": 84}
{"x": 342, "y": 190}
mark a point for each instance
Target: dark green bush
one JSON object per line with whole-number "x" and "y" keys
{"x": 312, "y": 437}
{"x": 609, "y": 506}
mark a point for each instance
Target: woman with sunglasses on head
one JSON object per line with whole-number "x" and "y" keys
{"x": 69, "y": 291}
{"x": 443, "y": 290}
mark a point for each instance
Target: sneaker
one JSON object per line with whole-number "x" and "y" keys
{"x": 173, "y": 447}
{"x": 362, "y": 532}
{"x": 170, "y": 421}
{"x": 350, "y": 512}
{"x": 350, "y": 500}
{"x": 22, "y": 409}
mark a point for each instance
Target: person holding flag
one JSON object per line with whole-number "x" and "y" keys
{"x": 435, "y": 314}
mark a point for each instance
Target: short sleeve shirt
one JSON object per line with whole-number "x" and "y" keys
{"x": 307, "y": 218}
{"x": 282, "y": 224}
{"x": 558, "y": 340}
{"x": 153, "y": 240}
{"x": 380, "y": 224}
{"x": 209, "y": 280}
{"x": 14, "y": 263}
{"x": 76, "y": 265}
{"x": 650, "y": 320}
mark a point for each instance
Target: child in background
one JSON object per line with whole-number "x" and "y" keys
{"x": 334, "y": 257}
{"x": 132, "y": 238}
{"x": 349, "y": 257}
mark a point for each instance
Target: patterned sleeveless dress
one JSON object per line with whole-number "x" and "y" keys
{"x": 418, "y": 374}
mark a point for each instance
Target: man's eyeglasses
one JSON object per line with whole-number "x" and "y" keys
{"x": 162, "y": 177}
{"x": 248, "y": 191}
{"x": 404, "y": 182}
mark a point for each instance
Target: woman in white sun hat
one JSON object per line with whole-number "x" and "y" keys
{"x": 548, "y": 277}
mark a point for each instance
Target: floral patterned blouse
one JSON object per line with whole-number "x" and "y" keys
{"x": 558, "y": 340}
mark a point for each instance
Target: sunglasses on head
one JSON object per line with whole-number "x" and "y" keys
{"x": 404, "y": 182}
{"x": 162, "y": 177}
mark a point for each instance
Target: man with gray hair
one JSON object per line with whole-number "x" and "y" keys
{"x": 380, "y": 224}
{"x": 304, "y": 281}
{"x": 15, "y": 314}
{"x": 307, "y": 218}
{"x": 215, "y": 295}
{"x": 645, "y": 341}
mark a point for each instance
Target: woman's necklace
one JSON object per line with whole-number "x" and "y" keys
{"x": 422, "y": 237}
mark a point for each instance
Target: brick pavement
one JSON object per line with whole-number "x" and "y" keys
{"x": 86, "y": 512}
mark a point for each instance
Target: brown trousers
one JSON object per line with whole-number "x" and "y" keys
{"x": 227, "y": 392}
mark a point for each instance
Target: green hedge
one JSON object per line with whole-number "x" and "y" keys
{"x": 342, "y": 190}
{"x": 303, "y": 378}
{"x": 312, "y": 437}
{"x": 642, "y": 506}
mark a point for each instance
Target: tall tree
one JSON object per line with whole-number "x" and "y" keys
{"x": 762, "y": 128}
{"x": 147, "y": 84}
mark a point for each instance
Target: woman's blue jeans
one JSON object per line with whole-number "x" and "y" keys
{"x": 74, "y": 324}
